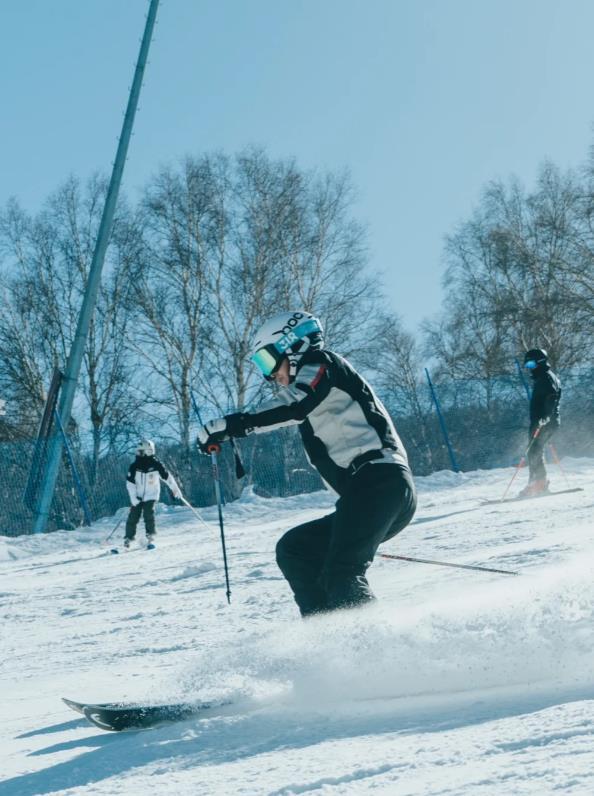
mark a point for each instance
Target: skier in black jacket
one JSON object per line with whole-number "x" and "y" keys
{"x": 143, "y": 483}
{"x": 544, "y": 417}
{"x": 350, "y": 439}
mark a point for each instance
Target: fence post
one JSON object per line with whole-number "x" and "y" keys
{"x": 77, "y": 482}
{"x": 39, "y": 456}
{"x": 444, "y": 430}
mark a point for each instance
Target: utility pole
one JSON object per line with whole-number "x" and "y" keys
{"x": 86, "y": 313}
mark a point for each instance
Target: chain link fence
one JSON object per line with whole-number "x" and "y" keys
{"x": 486, "y": 422}
{"x": 275, "y": 463}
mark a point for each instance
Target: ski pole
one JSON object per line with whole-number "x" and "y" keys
{"x": 522, "y": 460}
{"x": 447, "y": 564}
{"x": 239, "y": 468}
{"x": 196, "y": 513}
{"x": 107, "y": 538}
{"x": 214, "y": 451}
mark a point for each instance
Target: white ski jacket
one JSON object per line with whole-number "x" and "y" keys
{"x": 143, "y": 481}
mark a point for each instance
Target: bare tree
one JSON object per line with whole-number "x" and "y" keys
{"x": 575, "y": 271}
{"x": 511, "y": 285}
{"x": 171, "y": 320}
{"x": 286, "y": 240}
{"x": 394, "y": 361}
{"x": 46, "y": 264}
{"x": 506, "y": 290}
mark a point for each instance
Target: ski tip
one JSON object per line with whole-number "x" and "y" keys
{"x": 77, "y": 706}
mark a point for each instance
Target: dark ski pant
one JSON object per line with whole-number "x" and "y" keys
{"x": 536, "y": 461}
{"x": 147, "y": 509}
{"x": 325, "y": 560}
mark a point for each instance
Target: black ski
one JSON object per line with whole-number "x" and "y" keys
{"x": 118, "y": 716}
{"x": 78, "y": 706}
{"x": 115, "y": 550}
{"x": 530, "y": 497}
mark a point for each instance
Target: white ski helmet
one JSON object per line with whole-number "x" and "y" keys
{"x": 288, "y": 334}
{"x": 146, "y": 447}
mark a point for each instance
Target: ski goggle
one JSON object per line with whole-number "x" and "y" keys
{"x": 269, "y": 357}
{"x": 531, "y": 364}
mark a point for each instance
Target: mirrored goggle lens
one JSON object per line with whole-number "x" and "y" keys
{"x": 531, "y": 364}
{"x": 265, "y": 361}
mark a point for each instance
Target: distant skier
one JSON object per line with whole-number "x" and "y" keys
{"x": 143, "y": 483}
{"x": 350, "y": 439}
{"x": 544, "y": 418}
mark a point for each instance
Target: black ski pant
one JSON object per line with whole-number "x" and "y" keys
{"x": 536, "y": 454}
{"x": 325, "y": 560}
{"x": 146, "y": 508}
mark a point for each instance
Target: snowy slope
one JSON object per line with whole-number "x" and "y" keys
{"x": 456, "y": 682}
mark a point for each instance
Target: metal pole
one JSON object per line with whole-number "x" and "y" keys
{"x": 42, "y": 443}
{"x": 195, "y": 513}
{"x": 447, "y": 564}
{"x": 214, "y": 450}
{"x": 239, "y": 468}
{"x": 199, "y": 416}
{"x": 86, "y": 313}
{"x": 107, "y": 538}
{"x": 444, "y": 430}
{"x": 75, "y": 475}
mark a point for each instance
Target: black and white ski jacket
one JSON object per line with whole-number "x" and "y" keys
{"x": 143, "y": 481}
{"x": 342, "y": 422}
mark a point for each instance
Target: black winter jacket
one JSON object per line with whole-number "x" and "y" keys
{"x": 546, "y": 394}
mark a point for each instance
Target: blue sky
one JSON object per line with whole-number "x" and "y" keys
{"x": 423, "y": 101}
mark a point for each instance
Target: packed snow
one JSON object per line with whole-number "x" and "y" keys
{"x": 455, "y": 682}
